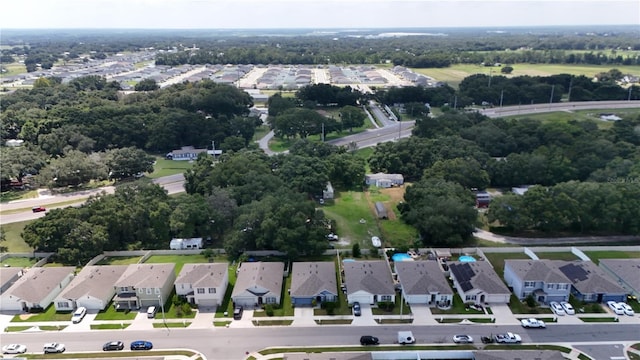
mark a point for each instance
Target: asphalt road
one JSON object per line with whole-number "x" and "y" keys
{"x": 234, "y": 343}
{"x": 569, "y": 106}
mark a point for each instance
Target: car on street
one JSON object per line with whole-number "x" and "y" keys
{"x": 557, "y": 308}
{"x": 79, "y": 314}
{"x": 141, "y": 345}
{"x": 533, "y": 323}
{"x": 462, "y": 339}
{"x": 508, "y": 338}
{"x": 237, "y": 313}
{"x": 37, "y": 209}
{"x": 628, "y": 310}
{"x": 357, "y": 311}
{"x": 615, "y": 307}
{"x": 14, "y": 349}
{"x": 568, "y": 308}
{"x": 53, "y": 348}
{"x": 369, "y": 340}
{"x": 113, "y": 346}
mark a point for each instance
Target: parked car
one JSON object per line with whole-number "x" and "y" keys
{"x": 557, "y": 308}
{"x": 369, "y": 340}
{"x": 54, "y": 348}
{"x": 14, "y": 349}
{"x": 237, "y": 313}
{"x": 151, "y": 312}
{"x": 113, "y": 346}
{"x": 37, "y": 209}
{"x": 533, "y": 323}
{"x": 568, "y": 308}
{"x": 462, "y": 339}
{"x": 615, "y": 307}
{"x": 357, "y": 311}
{"x": 508, "y": 338}
{"x": 627, "y": 308}
{"x": 79, "y": 314}
{"x": 141, "y": 345}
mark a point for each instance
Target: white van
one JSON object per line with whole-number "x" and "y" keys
{"x": 79, "y": 314}
{"x": 151, "y": 312}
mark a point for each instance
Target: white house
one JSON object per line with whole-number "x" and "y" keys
{"x": 258, "y": 283}
{"x": 423, "y": 282}
{"x": 368, "y": 282}
{"x": 203, "y": 284}
{"x": 478, "y": 283}
{"x": 92, "y": 288}
{"x": 384, "y": 180}
{"x": 185, "y": 244}
{"x": 36, "y": 289}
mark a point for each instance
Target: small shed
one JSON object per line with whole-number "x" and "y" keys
{"x": 185, "y": 244}
{"x": 381, "y": 211}
{"x": 328, "y": 193}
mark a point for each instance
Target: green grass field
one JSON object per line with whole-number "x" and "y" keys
{"x": 164, "y": 167}
{"x": 454, "y": 74}
{"x": 347, "y": 210}
{"x": 14, "y": 69}
{"x": 13, "y": 238}
{"x": 110, "y": 313}
{"x": 180, "y": 260}
{"x": 596, "y": 256}
{"x": 49, "y": 315}
{"x": 119, "y": 260}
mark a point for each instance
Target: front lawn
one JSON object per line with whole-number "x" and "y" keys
{"x": 227, "y": 303}
{"x": 598, "y": 319}
{"x": 458, "y": 307}
{"x": 521, "y": 307}
{"x": 406, "y": 309}
{"x": 171, "y": 324}
{"x": 271, "y": 322}
{"x": 109, "y": 326}
{"x": 110, "y": 313}
{"x": 49, "y": 315}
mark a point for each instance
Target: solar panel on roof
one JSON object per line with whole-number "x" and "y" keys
{"x": 466, "y": 286}
{"x": 574, "y": 272}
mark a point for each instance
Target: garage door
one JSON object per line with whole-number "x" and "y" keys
{"x": 208, "y": 302}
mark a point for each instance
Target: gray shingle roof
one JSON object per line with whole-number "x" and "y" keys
{"x": 145, "y": 275}
{"x": 593, "y": 280}
{"x": 8, "y": 274}
{"x": 422, "y": 277}
{"x": 626, "y": 269}
{"x": 482, "y": 277}
{"x": 202, "y": 275}
{"x": 266, "y": 275}
{"x": 537, "y": 270}
{"x": 39, "y": 282}
{"x": 95, "y": 281}
{"x": 311, "y": 278}
{"x": 373, "y": 277}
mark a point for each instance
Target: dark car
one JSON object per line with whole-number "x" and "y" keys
{"x": 237, "y": 313}
{"x": 38, "y": 209}
{"x": 356, "y": 309}
{"x": 369, "y": 340}
{"x": 141, "y": 345}
{"x": 113, "y": 346}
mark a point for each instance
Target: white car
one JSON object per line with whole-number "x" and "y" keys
{"x": 627, "y": 309}
{"x": 14, "y": 349}
{"x": 462, "y": 339}
{"x": 79, "y": 314}
{"x": 568, "y": 308}
{"x": 557, "y": 308}
{"x": 533, "y": 323}
{"x": 615, "y": 307}
{"x": 508, "y": 338}
{"x": 54, "y": 348}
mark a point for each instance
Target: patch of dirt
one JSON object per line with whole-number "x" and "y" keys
{"x": 395, "y": 194}
{"x": 25, "y": 316}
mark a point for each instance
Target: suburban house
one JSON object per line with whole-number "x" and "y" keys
{"x": 188, "y": 153}
{"x": 258, "y": 283}
{"x": 539, "y": 278}
{"x": 368, "y": 282}
{"x": 185, "y": 244}
{"x": 423, "y": 282}
{"x": 381, "y": 211}
{"x": 8, "y": 276}
{"x": 626, "y": 272}
{"x": 313, "y": 281}
{"x": 477, "y": 283}
{"x": 144, "y": 285}
{"x": 92, "y": 288}
{"x": 384, "y": 180}
{"x": 589, "y": 283}
{"x": 36, "y": 288}
{"x": 203, "y": 284}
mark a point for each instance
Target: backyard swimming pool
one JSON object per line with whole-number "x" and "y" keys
{"x": 466, "y": 258}
{"x": 401, "y": 257}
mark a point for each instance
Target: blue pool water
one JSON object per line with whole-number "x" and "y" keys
{"x": 348, "y": 260}
{"x": 401, "y": 257}
{"x": 466, "y": 258}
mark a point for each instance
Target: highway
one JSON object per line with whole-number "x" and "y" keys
{"x": 234, "y": 343}
{"x": 569, "y": 106}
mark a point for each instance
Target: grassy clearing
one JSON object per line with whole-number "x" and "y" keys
{"x": 454, "y": 74}
{"x": 119, "y": 260}
{"x": 347, "y": 210}
{"x": 227, "y": 304}
{"x": 271, "y": 322}
{"x": 7, "y": 196}
{"x": 595, "y": 256}
{"x": 13, "y": 237}
{"x": 19, "y": 262}
{"x": 49, "y": 315}
{"x": 164, "y": 167}
{"x": 110, "y": 313}
{"x": 260, "y": 132}
{"x": 184, "y": 324}
{"x": 109, "y": 326}
{"x": 334, "y": 322}
{"x": 14, "y": 69}
{"x": 179, "y": 260}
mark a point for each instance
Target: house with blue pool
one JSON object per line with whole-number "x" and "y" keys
{"x": 313, "y": 283}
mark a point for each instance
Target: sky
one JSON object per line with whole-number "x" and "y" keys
{"x": 259, "y": 14}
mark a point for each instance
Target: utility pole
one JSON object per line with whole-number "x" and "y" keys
{"x": 570, "y": 86}
{"x": 629, "y": 97}
{"x": 490, "y": 74}
{"x": 322, "y": 132}
{"x": 551, "y": 97}
{"x": 501, "y": 96}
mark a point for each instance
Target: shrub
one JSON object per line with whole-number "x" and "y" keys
{"x": 356, "y": 250}
{"x": 186, "y": 309}
{"x": 531, "y": 301}
{"x": 268, "y": 309}
{"x": 330, "y": 307}
{"x": 386, "y": 305}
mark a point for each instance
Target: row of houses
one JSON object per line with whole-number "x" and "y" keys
{"x": 420, "y": 282}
